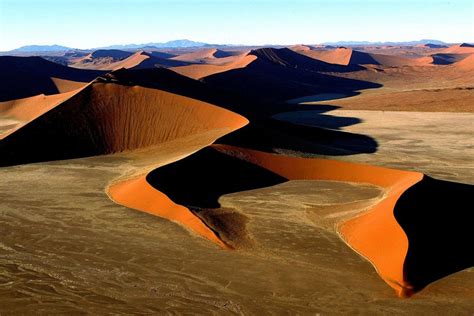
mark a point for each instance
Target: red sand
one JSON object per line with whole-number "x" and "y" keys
{"x": 203, "y": 70}
{"x": 138, "y": 194}
{"x": 347, "y": 56}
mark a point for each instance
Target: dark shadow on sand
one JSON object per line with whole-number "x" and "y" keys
{"x": 22, "y": 77}
{"x": 200, "y": 179}
{"x": 437, "y": 217}
{"x": 271, "y": 135}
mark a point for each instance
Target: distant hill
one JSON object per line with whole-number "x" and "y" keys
{"x": 366, "y": 43}
{"x": 183, "y": 43}
{"x": 41, "y": 48}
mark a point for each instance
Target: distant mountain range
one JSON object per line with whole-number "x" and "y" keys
{"x": 41, "y": 48}
{"x": 184, "y": 43}
{"x": 365, "y": 43}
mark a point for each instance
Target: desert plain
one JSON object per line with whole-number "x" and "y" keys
{"x": 307, "y": 179}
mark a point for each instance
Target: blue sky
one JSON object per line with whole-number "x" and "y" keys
{"x": 87, "y": 24}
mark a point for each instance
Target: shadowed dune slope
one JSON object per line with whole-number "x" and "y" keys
{"x": 23, "y": 77}
{"x": 437, "y": 218}
{"x": 281, "y": 74}
{"x": 105, "y": 118}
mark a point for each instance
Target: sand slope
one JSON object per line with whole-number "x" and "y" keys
{"x": 347, "y": 56}
{"x": 107, "y": 117}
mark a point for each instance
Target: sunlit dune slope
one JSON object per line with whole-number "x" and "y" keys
{"x": 23, "y": 77}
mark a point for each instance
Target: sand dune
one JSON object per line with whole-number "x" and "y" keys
{"x": 113, "y": 59}
{"x": 199, "y": 71}
{"x": 280, "y": 74}
{"x": 376, "y": 234}
{"x": 466, "y": 64}
{"x": 447, "y": 59}
{"x": 282, "y": 57}
{"x": 203, "y": 55}
{"x": 113, "y": 54}
{"x": 23, "y": 111}
{"x": 23, "y": 77}
{"x": 381, "y": 234}
{"x": 347, "y": 56}
{"x": 107, "y": 117}
{"x": 459, "y": 49}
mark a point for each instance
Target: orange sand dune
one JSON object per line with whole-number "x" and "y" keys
{"x": 107, "y": 117}
{"x": 23, "y": 111}
{"x": 459, "y": 49}
{"x": 114, "y": 61}
{"x": 347, "y": 56}
{"x": 375, "y": 234}
{"x": 203, "y": 70}
{"x": 467, "y": 64}
{"x": 137, "y": 193}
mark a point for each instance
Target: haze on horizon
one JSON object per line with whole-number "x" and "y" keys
{"x": 88, "y": 24}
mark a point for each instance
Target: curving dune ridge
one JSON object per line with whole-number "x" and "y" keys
{"x": 378, "y": 234}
